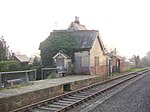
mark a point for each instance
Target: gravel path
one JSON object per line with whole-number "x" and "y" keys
{"x": 134, "y": 98}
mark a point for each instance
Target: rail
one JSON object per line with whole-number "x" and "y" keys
{"x": 66, "y": 101}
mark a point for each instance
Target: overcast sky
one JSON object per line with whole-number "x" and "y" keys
{"x": 123, "y": 24}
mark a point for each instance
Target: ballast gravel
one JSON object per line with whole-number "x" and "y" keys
{"x": 134, "y": 98}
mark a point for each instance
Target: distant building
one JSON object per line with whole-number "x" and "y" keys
{"x": 22, "y": 59}
{"x": 75, "y": 26}
{"x": 114, "y": 62}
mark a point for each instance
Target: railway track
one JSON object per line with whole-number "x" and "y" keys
{"x": 70, "y": 99}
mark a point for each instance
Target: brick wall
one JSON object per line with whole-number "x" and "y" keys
{"x": 126, "y": 68}
{"x": 101, "y": 71}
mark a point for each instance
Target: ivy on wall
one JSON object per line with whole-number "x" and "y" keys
{"x": 57, "y": 41}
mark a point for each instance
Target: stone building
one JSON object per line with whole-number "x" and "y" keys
{"x": 63, "y": 62}
{"x": 89, "y": 55}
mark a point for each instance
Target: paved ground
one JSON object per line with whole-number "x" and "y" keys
{"x": 43, "y": 84}
{"x": 134, "y": 98}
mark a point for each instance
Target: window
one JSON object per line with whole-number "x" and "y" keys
{"x": 96, "y": 61}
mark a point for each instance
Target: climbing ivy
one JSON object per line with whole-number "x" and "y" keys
{"x": 57, "y": 41}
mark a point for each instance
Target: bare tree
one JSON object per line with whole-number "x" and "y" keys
{"x": 4, "y": 49}
{"x": 136, "y": 60}
{"x": 146, "y": 60}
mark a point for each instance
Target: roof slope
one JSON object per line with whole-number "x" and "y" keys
{"x": 62, "y": 54}
{"x": 84, "y": 38}
{"x": 76, "y": 26}
{"x": 22, "y": 58}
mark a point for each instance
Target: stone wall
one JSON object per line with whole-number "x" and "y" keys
{"x": 16, "y": 101}
{"x": 79, "y": 84}
{"x": 20, "y": 100}
{"x": 96, "y": 51}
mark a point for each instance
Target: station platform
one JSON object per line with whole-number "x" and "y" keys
{"x": 11, "y": 99}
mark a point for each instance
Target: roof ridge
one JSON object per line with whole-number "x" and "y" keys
{"x": 75, "y": 31}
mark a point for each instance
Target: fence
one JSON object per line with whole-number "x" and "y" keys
{"x": 16, "y": 77}
{"x": 52, "y": 72}
{"x": 45, "y": 72}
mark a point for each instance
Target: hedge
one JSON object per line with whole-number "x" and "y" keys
{"x": 6, "y": 66}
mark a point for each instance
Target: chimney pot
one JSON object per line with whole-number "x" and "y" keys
{"x": 77, "y": 20}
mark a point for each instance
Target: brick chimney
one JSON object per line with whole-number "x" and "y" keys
{"x": 76, "y": 20}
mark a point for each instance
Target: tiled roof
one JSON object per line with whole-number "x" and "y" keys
{"x": 84, "y": 38}
{"x": 79, "y": 26}
{"x": 62, "y": 54}
{"x": 76, "y": 26}
{"x": 22, "y": 58}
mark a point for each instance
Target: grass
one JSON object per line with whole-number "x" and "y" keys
{"x": 134, "y": 69}
{"x": 128, "y": 71}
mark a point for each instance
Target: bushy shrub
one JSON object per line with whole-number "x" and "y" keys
{"x": 6, "y": 66}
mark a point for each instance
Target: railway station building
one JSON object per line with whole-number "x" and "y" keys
{"x": 89, "y": 56}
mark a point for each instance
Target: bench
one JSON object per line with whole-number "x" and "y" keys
{"x": 62, "y": 73}
{"x": 14, "y": 80}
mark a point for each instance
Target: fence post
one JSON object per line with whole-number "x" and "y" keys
{"x": 35, "y": 74}
{"x": 27, "y": 78}
{"x": 0, "y": 81}
{"x": 42, "y": 74}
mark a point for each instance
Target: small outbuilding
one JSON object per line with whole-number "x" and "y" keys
{"x": 63, "y": 62}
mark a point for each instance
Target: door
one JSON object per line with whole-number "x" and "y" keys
{"x": 60, "y": 62}
{"x": 78, "y": 64}
{"x": 96, "y": 64}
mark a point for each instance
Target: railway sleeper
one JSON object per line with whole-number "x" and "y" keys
{"x": 48, "y": 109}
{"x": 60, "y": 103}
{"x": 92, "y": 91}
{"x": 54, "y": 106}
{"x": 85, "y": 93}
{"x": 39, "y": 110}
{"x": 66, "y": 102}
{"x": 75, "y": 97}
{"x": 71, "y": 100}
{"x": 79, "y": 96}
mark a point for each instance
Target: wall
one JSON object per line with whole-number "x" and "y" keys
{"x": 86, "y": 82}
{"x": 82, "y": 62}
{"x": 16, "y": 101}
{"x": 126, "y": 68}
{"x": 102, "y": 71}
{"x": 96, "y": 51}
{"x": 19, "y": 100}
